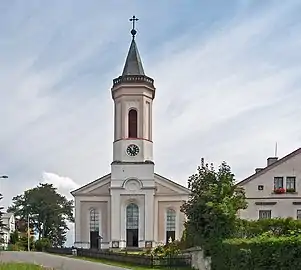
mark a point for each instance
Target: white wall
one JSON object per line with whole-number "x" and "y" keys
{"x": 283, "y": 206}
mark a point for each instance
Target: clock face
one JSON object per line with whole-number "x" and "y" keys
{"x": 132, "y": 150}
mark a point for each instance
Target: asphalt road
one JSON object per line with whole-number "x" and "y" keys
{"x": 55, "y": 261}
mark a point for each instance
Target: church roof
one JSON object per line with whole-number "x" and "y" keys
{"x": 133, "y": 63}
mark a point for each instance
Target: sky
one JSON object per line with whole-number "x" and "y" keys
{"x": 227, "y": 75}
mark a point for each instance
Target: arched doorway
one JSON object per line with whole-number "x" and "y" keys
{"x": 94, "y": 229}
{"x": 132, "y": 225}
{"x": 170, "y": 225}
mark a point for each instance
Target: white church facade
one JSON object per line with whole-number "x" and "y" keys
{"x": 132, "y": 206}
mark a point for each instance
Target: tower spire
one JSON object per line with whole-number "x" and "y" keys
{"x": 133, "y": 63}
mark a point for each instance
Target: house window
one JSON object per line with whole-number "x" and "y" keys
{"x": 133, "y": 124}
{"x": 265, "y": 214}
{"x": 278, "y": 182}
{"x": 299, "y": 214}
{"x": 260, "y": 187}
{"x": 291, "y": 183}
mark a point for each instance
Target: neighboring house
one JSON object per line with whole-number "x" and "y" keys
{"x": 275, "y": 190}
{"x": 9, "y": 227}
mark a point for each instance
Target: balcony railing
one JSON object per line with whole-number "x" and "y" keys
{"x": 133, "y": 79}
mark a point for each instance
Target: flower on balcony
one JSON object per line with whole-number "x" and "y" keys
{"x": 290, "y": 190}
{"x": 279, "y": 190}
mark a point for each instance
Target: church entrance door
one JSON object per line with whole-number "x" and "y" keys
{"x": 94, "y": 239}
{"x": 132, "y": 225}
{"x": 132, "y": 237}
{"x": 94, "y": 229}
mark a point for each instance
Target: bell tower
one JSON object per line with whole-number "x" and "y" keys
{"x": 132, "y": 169}
{"x": 133, "y": 93}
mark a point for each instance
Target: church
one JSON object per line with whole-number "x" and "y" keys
{"x": 131, "y": 207}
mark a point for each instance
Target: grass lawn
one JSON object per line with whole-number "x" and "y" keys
{"x": 21, "y": 266}
{"x": 108, "y": 262}
{"x": 122, "y": 265}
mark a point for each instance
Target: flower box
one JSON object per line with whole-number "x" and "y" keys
{"x": 290, "y": 190}
{"x": 279, "y": 190}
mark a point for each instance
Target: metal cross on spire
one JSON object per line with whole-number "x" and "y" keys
{"x": 134, "y": 20}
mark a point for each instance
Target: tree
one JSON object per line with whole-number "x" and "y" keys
{"x": 212, "y": 208}
{"x": 48, "y": 212}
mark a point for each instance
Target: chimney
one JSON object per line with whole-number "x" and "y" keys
{"x": 257, "y": 170}
{"x": 271, "y": 160}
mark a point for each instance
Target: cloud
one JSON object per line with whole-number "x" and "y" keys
{"x": 64, "y": 184}
{"x": 227, "y": 78}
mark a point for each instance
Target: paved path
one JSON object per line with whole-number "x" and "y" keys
{"x": 55, "y": 261}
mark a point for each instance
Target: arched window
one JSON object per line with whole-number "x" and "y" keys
{"x": 94, "y": 229}
{"x": 132, "y": 225}
{"x": 133, "y": 125}
{"x": 132, "y": 216}
{"x": 170, "y": 225}
{"x": 94, "y": 220}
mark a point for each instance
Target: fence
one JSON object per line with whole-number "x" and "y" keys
{"x": 174, "y": 262}
{"x": 62, "y": 251}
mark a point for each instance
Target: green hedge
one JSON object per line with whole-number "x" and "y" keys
{"x": 261, "y": 253}
{"x": 275, "y": 226}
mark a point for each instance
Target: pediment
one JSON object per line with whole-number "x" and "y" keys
{"x": 165, "y": 186}
{"x": 102, "y": 190}
{"x": 98, "y": 187}
{"x": 161, "y": 189}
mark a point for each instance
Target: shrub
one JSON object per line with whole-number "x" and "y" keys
{"x": 14, "y": 237}
{"x": 42, "y": 244}
{"x": 275, "y": 226}
{"x": 15, "y": 247}
{"x": 260, "y": 253}
{"x": 170, "y": 249}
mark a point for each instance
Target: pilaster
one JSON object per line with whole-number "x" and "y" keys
{"x": 156, "y": 220}
{"x": 115, "y": 215}
{"x": 149, "y": 217}
{"x": 77, "y": 224}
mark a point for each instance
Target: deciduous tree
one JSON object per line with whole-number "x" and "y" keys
{"x": 48, "y": 212}
{"x": 212, "y": 209}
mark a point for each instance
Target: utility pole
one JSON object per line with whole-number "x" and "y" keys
{"x": 28, "y": 234}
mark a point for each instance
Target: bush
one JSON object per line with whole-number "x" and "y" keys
{"x": 42, "y": 244}
{"x": 260, "y": 253}
{"x": 14, "y": 237}
{"x": 15, "y": 247}
{"x": 170, "y": 249}
{"x": 274, "y": 226}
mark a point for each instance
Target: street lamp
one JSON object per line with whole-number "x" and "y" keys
{"x": 3, "y": 176}
{"x": 28, "y": 234}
